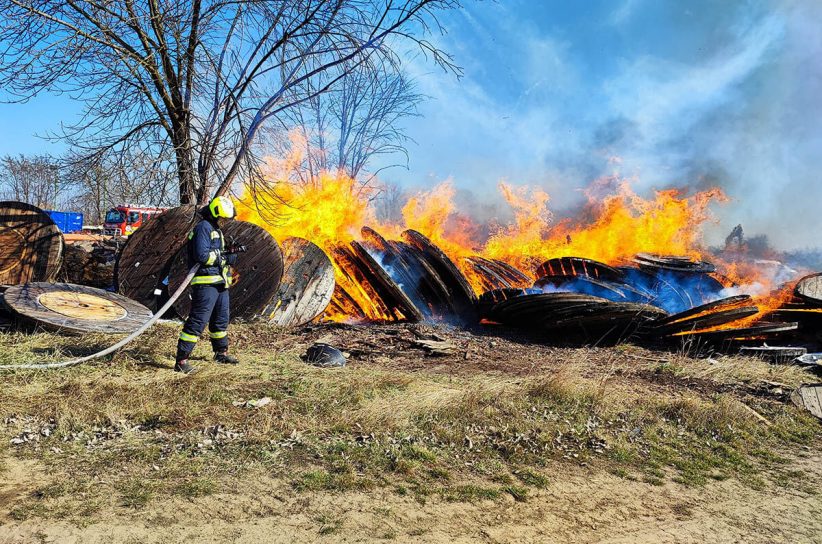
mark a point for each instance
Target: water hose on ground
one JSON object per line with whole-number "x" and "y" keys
{"x": 143, "y": 328}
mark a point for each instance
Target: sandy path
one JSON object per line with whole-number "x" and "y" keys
{"x": 583, "y": 506}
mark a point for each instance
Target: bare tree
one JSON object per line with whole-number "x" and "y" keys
{"x": 34, "y": 180}
{"x": 388, "y": 203}
{"x": 345, "y": 129}
{"x": 98, "y": 183}
{"x": 198, "y": 77}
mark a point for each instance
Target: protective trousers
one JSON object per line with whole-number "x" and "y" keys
{"x": 209, "y": 304}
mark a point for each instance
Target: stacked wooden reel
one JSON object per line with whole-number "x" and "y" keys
{"x": 283, "y": 290}
{"x": 31, "y": 245}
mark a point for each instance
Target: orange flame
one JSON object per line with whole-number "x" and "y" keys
{"x": 616, "y": 225}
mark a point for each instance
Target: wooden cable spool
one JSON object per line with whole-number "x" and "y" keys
{"x": 809, "y": 289}
{"x": 31, "y": 245}
{"x": 259, "y": 271}
{"x": 390, "y": 292}
{"x": 145, "y": 260}
{"x": 76, "y": 308}
{"x": 409, "y": 270}
{"x": 460, "y": 291}
{"x": 578, "y": 266}
{"x": 307, "y": 285}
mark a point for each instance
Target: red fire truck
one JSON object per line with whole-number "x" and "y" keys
{"x": 125, "y": 219}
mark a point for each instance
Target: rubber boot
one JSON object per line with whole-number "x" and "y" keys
{"x": 223, "y": 358}
{"x": 184, "y": 367}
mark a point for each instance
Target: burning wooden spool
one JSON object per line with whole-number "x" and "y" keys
{"x": 489, "y": 299}
{"x": 603, "y": 321}
{"x": 658, "y": 290}
{"x": 675, "y": 263}
{"x": 76, "y": 308}
{"x": 584, "y": 284}
{"x": 259, "y": 270}
{"x": 31, "y": 245}
{"x": 579, "y": 266}
{"x": 145, "y": 261}
{"x": 461, "y": 294}
{"x": 306, "y": 287}
{"x": 388, "y": 289}
{"x": 355, "y": 292}
{"x": 495, "y": 274}
{"x": 410, "y": 271}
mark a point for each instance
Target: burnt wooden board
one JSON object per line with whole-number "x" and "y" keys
{"x": 145, "y": 260}
{"x": 31, "y": 245}
{"x": 774, "y": 354}
{"x": 258, "y": 271}
{"x": 723, "y": 303}
{"x": 578, "y": 266}
{"x": 460, "y": 292}
{"x": 496, "y": 274}
{"x": 76, "y": 308}
{"x": 306, "y": 287}
{"x": 756, "y": 331}
{"x": 809, "y": 397}
{"x": 711, "y": 319}
{"x": 809, "y": 289}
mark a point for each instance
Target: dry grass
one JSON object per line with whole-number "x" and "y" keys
{"x": 128, "y": 431}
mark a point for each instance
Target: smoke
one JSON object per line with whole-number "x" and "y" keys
{"x": 666, "y": 94}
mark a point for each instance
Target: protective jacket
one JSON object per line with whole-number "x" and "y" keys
{"x": 206, "y": 247}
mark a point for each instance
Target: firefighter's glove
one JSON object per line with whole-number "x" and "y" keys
{"x": 230, "y": 259}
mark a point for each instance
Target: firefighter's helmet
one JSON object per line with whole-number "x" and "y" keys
{"x": 221, "y": 206}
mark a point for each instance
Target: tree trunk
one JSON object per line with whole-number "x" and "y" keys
{"x": 185, "y": 166}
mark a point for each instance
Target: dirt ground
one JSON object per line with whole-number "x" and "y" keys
{"x": 580, "y": 506}
{"x": 580, "y": 502}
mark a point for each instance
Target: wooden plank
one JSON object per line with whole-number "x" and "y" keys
{"x": 709, "y": 320}
{"x": 31, "y": 245}
{"x": 307, "y": 285}
{"x": 809, "y": 397}
{"x": 145, "y": 261}
{"x": 75, "y": 308}
{"x": 258, "y": 271}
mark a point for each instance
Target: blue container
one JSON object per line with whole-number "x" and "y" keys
{"x": 67, "y": 221}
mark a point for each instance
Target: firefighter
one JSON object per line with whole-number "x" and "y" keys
{"x": 209, "y": 288}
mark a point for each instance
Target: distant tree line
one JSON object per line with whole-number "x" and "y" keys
{"x": 89, "y": 187}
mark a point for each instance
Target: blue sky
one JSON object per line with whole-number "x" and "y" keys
{"x": 557, "y": 93}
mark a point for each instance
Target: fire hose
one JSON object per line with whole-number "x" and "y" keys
{"x": 143, "y": 328}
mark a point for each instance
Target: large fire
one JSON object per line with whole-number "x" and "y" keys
{"x": 615, "y": 225}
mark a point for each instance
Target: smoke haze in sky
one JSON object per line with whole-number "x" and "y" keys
{"x": 664, "y": 93}
{"x": 556, "y": 94}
